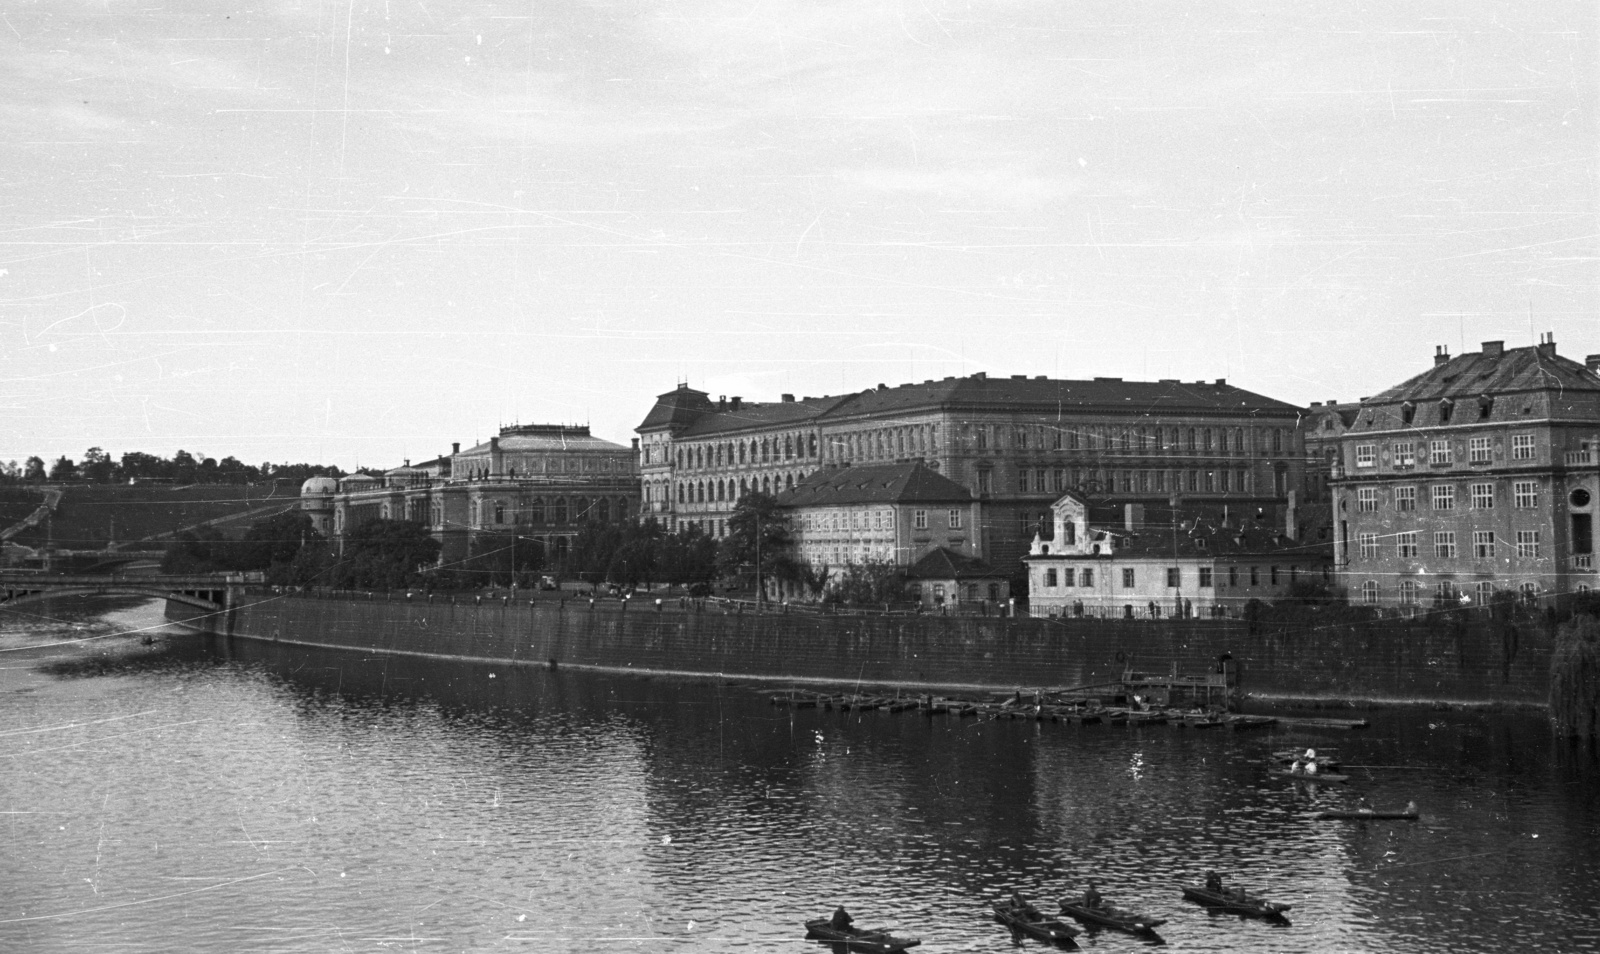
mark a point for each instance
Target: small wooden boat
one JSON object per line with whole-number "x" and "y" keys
{"x": 1239, "y": 723}
{"x": 1104, "y": 915}
{"x": 1245, "y": 905}
{"x": 1369, "y": 814}
{"x": 1312, "y": 776}
{"x": 1147, "y": 718}
{"x": 1040, "y": 928}
{"x": 858, "y": 939}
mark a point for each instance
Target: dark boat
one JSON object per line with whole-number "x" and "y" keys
{"x": 1040, "y": 928}
{"x": 858, "y": 939}
{"x": 1105, "y": 915}
{"x": 1248, "y": 906}
{"x": 1312, "y": 776}
{"x": 1403, "y": 814}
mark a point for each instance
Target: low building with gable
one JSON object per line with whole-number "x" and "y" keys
{"x": 1093, "y": 565}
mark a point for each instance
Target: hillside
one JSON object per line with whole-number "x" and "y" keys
{"x": 17, "y": 502}
{"x": 90, "y": 516}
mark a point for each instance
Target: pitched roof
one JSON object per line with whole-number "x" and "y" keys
{"x": 911, "y": 482}
{"x": 1494, "y": 370}
{"x": 942, "y": 563}
{"x": 693, "y": 411}
{"x": 546, "y": 437}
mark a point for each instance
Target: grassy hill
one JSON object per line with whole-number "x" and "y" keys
{"x": 16, "y": 503}
{"x": 91, "y": 515}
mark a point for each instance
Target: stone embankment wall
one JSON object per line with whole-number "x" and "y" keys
{"x": 1459, "y": 658}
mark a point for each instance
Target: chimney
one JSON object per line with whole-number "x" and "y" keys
{"x": 722, "y": 402}
{"x": 1441, "y": 354}
{"x": 636, "y": 447}
{"x": 1592, "y": 362}
{"x": 1494, "y": 349}
{"x": 455, "y": 448}
{"x": 1222, "y": 382}
{"x": 496, "y": 458}
{"x": 407, "y": 463}
{"x": 981, "y": 376}
{"x": 1132, "y": 517}
{"x": 733, "y": 402}
{"x": 1547, "y": 345}
{"x": 788, "y": 399}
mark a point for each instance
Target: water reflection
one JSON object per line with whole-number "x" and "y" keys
{"x": 198, "y": 794}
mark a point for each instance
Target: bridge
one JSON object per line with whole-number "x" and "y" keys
{"x": 205, "y": 591}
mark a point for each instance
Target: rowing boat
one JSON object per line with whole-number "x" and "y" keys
{"x": 858, "y": 939}
{"x": 1250, "y": 907}
{"x": 1312, "y": 776}
{"x": 1041, "y": 928}
{"x": 1105, "y": 915}
{"x": 1364, "y": 814}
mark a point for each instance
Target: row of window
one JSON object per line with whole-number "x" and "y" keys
{"x": 711, "y": 491}
{"x": 1139, "y": 439}
{"x": 1444, "y": 544}
{"x": 1480, "y": 496}
{"x": 1441, "y": 451}
{"x": 1445, "y": 591}
{"x": 1062, "y": 479}
{"x": 765, "y": 450}
{"x": 838, "y": 556}
{"x": 501, "y": 512}
{"x": 1069, "y": 577}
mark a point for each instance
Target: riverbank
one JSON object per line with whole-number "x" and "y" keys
{"x": 1454, "y": 660}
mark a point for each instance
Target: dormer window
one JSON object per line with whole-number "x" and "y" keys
{"x": 1408, "y": 411}
{"x": 1445, "y": 407}
{"x": 1485, "y": 405}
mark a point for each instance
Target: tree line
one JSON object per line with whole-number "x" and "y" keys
{"x": 182, "y": 468}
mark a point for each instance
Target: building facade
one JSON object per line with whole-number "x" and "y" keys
{"x": 1474, "y": 477}
{"x": 536, "y": 482}
{"x": 1015, "y": 443}
{"x": 1193, "y": 567}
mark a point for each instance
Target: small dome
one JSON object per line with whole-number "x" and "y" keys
{"x": 319, "y": 487}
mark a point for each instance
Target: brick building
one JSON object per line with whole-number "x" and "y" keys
{"x": 1478, "y": 475}
{"x": 1015, "y": 443}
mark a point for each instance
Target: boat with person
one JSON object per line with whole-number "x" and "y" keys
{"x": 858, "y": 939}
{"x": 1364, "y": 812}
{"x": 1024, "y": 918}
{"x": 1311, "y": 776}
{"x": 1236, "y": 901}
{"x": 1109, "y": 916}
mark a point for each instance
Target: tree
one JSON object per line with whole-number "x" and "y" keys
{"x": 385, "y": 554}
{"x": 201, "y": 550}
{"x": 98, "y": 465}
{"x": 64, "y": 469}
{"x": 757, "y": 517}
{"x": 502, "y": 558}
{"x": 183, "y": 467}
{"x": 33, "y": 469}
{"x": 688, "y": 556}
{"x": 276, "y": 540}
{"x": 137, "y": 465}
{"x": 868, "y": 583}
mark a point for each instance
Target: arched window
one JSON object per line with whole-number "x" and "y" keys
{"x": 766, "y": 485}
{"x": 1369, "y": 591}
{"x": 721, "y": 491}
{"x": 680, "y": 493}
{"x": 812, "y": 446}
{"x": 580, "y": 510}
{"x": 603, "y": 510}
{"x": 499, "y": 511}
{"x": 536, "y": 510}
{"x": 622, "y": 509}
{"x": 766, "y": 450}
{"x": 741, "y": 452}
{"x": 789, "y": 482}
{"x": 561, "y": 510}
{"x": 788, "y": 446}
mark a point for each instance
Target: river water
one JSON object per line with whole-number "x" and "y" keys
{"x": 198, "y": 796}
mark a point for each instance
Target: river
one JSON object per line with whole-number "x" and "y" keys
{"x": 188, "y": 794}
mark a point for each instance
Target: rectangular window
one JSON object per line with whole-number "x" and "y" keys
{"x": 1408, "y": 591}
{"x": 1444, "y": 544}
{"x": 1205, "y": 577}
{"x": 1482, "y": 496}
{"x": 1233, "y": 576}
{"x": 1022, "y": 481}
{"x": 1060, "y": 480}
{"x": 985, "y": 486}
{"x": 1405, "y": 498}
{"x": 1050, "y": 579}
{"x": 1255, "y": 576}
{"x": 1485, "y": 593}
{"x": 1479, "y": 451}
{"x": 1086, "y": 577}
{"x": 1273, "y": 573}
{"x": 1368, "y": 543}
{"x": 1405, "y": 544}
{"x": 1445, "y": 591}
{"x": 1483, "y": 544}
{"x": 1367, "y": 499}
{"x": 1366, "y": 455}
{"x": 1369, "y": 591}
{"x": 1173, "y": 576}
{"x": 1444, "y": 497}
{"x": 1522, "y": 447}
{"x": 1405, "y": 454}
{"x": 955, "y": 520}
{"x": 919, "y": 519}
{"x": 1127, "y": 579}
{"x": 888, "y": 520}
{"x": 1525, "y": 493}
{"x": 1439, "y": 452}
{"x": 1528, "y": 543}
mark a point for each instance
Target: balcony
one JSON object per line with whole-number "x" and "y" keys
{"x": 1579, "y": 458}
{"x": 1583, "y": 561}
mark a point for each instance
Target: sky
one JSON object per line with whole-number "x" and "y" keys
{"x": 354, "y": 231}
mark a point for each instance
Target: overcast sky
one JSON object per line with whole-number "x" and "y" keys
{"x": 352, "y": 232}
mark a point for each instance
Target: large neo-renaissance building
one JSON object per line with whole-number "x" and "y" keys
{"x": 1478, "y": 475}
{"x": 536, "y": 481}
{"x": 1016, "y": 444}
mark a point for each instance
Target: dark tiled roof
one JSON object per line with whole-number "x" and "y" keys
{"x": 1204, "y": 538}
{"x": 942, "y": 563}
{"x": 699, "y": 417}
{"x": 874, "y": 483}
{"x": 568, "y": 441}
{"x": 677, "y": 407}
{"x": 1535, "y": 368}
{"x": 1038, "y": 394}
